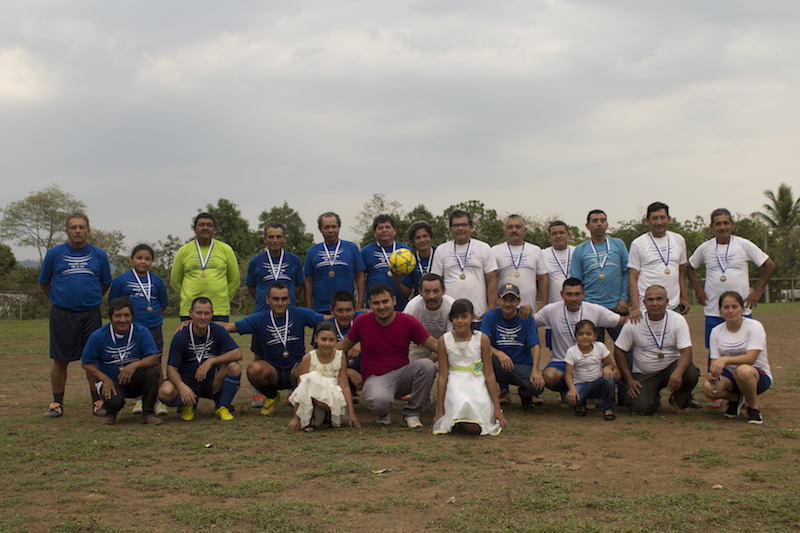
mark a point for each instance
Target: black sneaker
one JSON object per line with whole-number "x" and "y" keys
{"x": 527, "y": 404}
{"x": 754, "y": 416}
{"x": 734, "y": 408}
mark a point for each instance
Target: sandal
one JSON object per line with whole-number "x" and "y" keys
{"x": 582, "y": 412}
{"x": 609, "y": 416}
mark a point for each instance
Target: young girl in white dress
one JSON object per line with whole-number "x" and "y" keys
{"x": 468, "y": 398}
{"x": 739, "y": 368}
{"x": 323, "y": 390}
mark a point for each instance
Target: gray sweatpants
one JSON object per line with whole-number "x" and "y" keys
{"x": 416, "y": 379}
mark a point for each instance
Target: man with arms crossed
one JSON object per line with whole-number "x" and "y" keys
{"x": 276, "y": 264}
{"x": 203, "y": 363}
{"x": 662, "y": 356}
{"x": 515, "y": 346}
{"x": 385, "y": 335}
{"x": 522, "y": 264}
{"x": 74, "y": 276}
{"x": 467, "y": 266}
{"x": 205, "y": 267}
{"x": 282, "y": 333}
{"x": 331, "y": 266}
{"x": 562, "y": 317}
{"x": 376, "y": 260}
{"x": 123, "y": 358}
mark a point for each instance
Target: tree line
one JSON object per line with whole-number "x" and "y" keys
{"x": 38, "y": 221}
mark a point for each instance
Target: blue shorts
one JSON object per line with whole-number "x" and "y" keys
{"x": 763, "y": 384}
{"x": 561, "y": 366}
{"x": 284, "y": 378}
{"x": 548, "y": 338}
{"x": 711, "y": 323}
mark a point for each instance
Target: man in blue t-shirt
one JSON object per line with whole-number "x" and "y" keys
{"x": 601, "y": 263}
{"x": 122, "y": 359}
{"x": 343, "y": 309}
{"x": 331, "y": 266}
{"x": 515, "y": 346}
{"x": 203, "y": 363}
{"x": 74, "y": 276}
{"x": 282, "y": 333}
{"x": 376, "y": 259}
{"x": 276, "y": 264}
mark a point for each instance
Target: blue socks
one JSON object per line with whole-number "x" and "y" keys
{"x": 229, "y": 388}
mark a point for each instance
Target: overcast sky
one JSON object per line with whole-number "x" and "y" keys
{"x": 148, "y": 110}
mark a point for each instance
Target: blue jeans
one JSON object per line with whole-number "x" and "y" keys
{"x": 598, "y": 389}
{"x": 520, "y": 376}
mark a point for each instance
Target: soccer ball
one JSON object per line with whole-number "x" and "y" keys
{"x": 402, "y": 261}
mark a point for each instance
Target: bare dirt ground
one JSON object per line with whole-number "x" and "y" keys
{"x": 73, "y": 474}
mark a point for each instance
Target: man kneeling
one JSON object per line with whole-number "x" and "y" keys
{"x": 122, "y": 358}
{"x": 203, "y": 363}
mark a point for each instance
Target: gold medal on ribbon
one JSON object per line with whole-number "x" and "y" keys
{"x": 516, "y": 274}
{"x": 331, "y": 273}
{"x": 463, "y": 276}
{"x": 602, "y": 275}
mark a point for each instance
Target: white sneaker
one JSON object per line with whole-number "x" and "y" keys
{"x": 384, "y": 420}
{"x": 161, "y": 409}
{"x": 412, "y": 422}
{"x": 137, "y": 407}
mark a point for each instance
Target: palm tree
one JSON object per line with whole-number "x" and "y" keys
{"x": 782, "y": 211}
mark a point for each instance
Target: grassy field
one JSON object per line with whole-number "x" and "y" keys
{"x": 549, "y": 472}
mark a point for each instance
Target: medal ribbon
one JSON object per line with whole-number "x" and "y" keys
{"x": 423, "y": 268}
{"x": 565, "y": 271}
{"x": 516, "y": 263}
{"x": 665, "y": 261}
{"x": 149, "y": 291}
{"x": 285, "y": 339}
{"x": 461, "y": 265}
{"x": 194, "y": 346}
{"x": 335, "y": 252}
{"x": 339, "y": 334}
{"x": 727, "y": 248}
{"x": 663, "y": 332}
{"x": 275, "y": 273}
{"x": 385, "y": 256}
{"x": 124, "y": 353}
{"x": 204, "y": 262}
{"x": 597, "y": 255}
{"x": 570, "y": 327}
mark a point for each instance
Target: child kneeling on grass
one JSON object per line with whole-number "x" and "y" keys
{"x": 323, "y": 392}
{"x": 590, "y": 371}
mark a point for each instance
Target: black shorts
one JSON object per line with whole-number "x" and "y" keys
{"x": 158, "y": 337}
{"x": 70, "y": 330}
{"x": 284, "y": 378}
{"x": 257, "y": 348}
{"x": 205, "y": 388}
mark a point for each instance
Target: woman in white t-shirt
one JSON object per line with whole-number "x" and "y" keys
{"x": 739, "y": 370}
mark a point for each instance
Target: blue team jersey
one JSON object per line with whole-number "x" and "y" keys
{"x": 260, "y": 275}
{"x": 76, "y": 276}
{"x": 342, "y": 333}
{"x": 126, "y": 285}
{"x": 344, "y": 265}
{"x": 184, "y": 356}
{"x": 376, "y": 260}
{"x": 586, "y": 266}
{"x": 423, "y": 267}
{"x": 270, "y": 335}
{"x": 513, "y": 337}
{"x": 112, "y": 353}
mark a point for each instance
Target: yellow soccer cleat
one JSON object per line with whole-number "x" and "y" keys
{"x": 187, "y": 412}
{"x": 269, "y": 405}
{"x": 224, "y": 414}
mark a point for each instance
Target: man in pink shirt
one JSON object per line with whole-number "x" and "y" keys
{"x": 385, "y": 335}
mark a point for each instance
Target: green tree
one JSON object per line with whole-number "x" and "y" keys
{"x": 441, "y": 233}
{"x": 298, "y": 240}
{"x": 7, "y": 259}
{"x": 166, "y": 250}
{"x": 234, "y": 230}
{"x": 113, "y": 244}
{"x": 377, "y": 205}
{"x": 40, "y": 219}
{"x": 781, "y": 215}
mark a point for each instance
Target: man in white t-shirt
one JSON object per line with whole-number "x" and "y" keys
{"x": 562, "y": 317}
{"x": 522, "y": 264}
{"x": 558, "y": 261}
{"x": 727, "y": 259}
{"x": 432, "y": 308}
{"x": 467, "y": 266}
{"x": 658, "y": 258}
{"x": 662, "y": 356}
